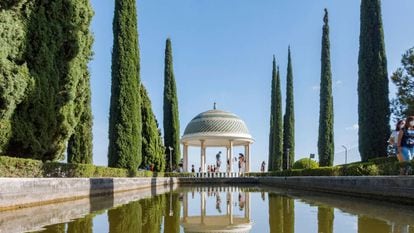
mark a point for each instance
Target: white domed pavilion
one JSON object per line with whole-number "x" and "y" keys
{"x": 216, "y": 128}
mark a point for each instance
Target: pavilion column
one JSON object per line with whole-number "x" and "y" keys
{"x": 247, "y": 206}
{"x": 231, "y": 154}
{"x": 247, "y": 156}
{"x": 231, "y": 209}
{"x": 185, "y": 207}
{"x": 228, "y": 159}
{"x": 185, "y": 153}
{"x": 203, "y": 156}
{"x": 203, "y": 206}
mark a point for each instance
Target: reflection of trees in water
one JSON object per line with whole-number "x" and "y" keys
{"x": 83, "y": 225}
{"x": 153, "y": 209}
{"x": 125, "y": 219}
{"x": 325, "y": 219}
{"x": 289, "y": 213}
{"x": 371, "y": 225}
{"x": 275, "y": 213}
{"x": 57, "y": 228}
{"x": 140, "y": 216}
{"x": 172, "y": 223}
{"x": 281, "y": 214}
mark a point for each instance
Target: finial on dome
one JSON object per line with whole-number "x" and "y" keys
{"x": 215, "y": 106}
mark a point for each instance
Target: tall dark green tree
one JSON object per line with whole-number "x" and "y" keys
{"x": 152, "y": 147}
{"x": 80, "y": 143}
{"x": 125, "y": 110}
{"x": 326, "y": 118}
{"x": 403, "y": 78}
{"x": 289, "y": 120}
{"x": 373, "y": 102}
{"x": 44, "y": 75}
{"x": 171, "y": 120}
{"x": 276, "y": 125}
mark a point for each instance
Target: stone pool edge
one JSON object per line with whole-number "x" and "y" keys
{"x": 396, "y": 189}
{"x": 18, "y": 193}
{"x": 26, "y": 192}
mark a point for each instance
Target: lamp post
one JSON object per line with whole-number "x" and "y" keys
{"x": 171, "y": 149}
{"x": 346, "y": 154}
{"x": 171, "y": 213}
{"x": 287, "y": 159}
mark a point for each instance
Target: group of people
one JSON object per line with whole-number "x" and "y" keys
{"x": 402, "y": 143}
{"x": 216, "y": 167}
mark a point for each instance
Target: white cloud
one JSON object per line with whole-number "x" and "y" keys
{"x": 338, "y": 82}
{"x": 353, "y": 127}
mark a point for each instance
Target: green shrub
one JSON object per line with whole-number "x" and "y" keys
{"x": 361, "y": 169}
{"x": 305, "y": 163}
{"x": 14, "y": 167}
{"x": 375, "y": 167}
{"x": 18, "y": 167}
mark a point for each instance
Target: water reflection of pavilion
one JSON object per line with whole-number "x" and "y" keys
{"x": 228, "y": 222}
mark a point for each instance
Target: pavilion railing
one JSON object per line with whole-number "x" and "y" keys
{"x": 217, "y": 174}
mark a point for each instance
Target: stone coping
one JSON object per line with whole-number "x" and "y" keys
{"x": 25, "y": 192}
{"x": 36, "y": 217}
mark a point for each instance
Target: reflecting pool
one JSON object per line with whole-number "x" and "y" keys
{"x": 228, "y": 209}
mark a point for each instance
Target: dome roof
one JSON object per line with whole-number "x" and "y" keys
{"x": 216, "y": 127}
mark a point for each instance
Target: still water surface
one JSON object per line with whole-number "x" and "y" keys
{"x": 245, "y": 209}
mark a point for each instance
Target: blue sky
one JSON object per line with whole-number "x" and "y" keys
{"x": 222, "y": 53}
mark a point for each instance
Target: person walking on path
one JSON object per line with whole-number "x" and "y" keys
{"x": 406, "y": 144}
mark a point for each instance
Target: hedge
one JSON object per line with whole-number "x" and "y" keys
{"x": 374, "y": 167}
{"x": 18, "y": 167}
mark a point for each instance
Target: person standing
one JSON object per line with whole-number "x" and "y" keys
{"x": 393, "y": 141}
{"x": 406, "y": 143}
{"x": 241, "y": 161}
{"x": 262, "y": 168}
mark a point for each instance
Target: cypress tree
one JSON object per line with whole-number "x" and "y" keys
{"x": 80, "y": 143}
{"x": 276, "y": 125}
{"x": 326, "y": 134}
{"x": 171, "y": 120}
{"x": 373, "y": 102}
{"x": 125, "y": 110}
{"x": 289, "y": 120}
{"x": 272, "y": 107}
{"x": 44, "y": 95}
{"x": 152, "y": 148}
